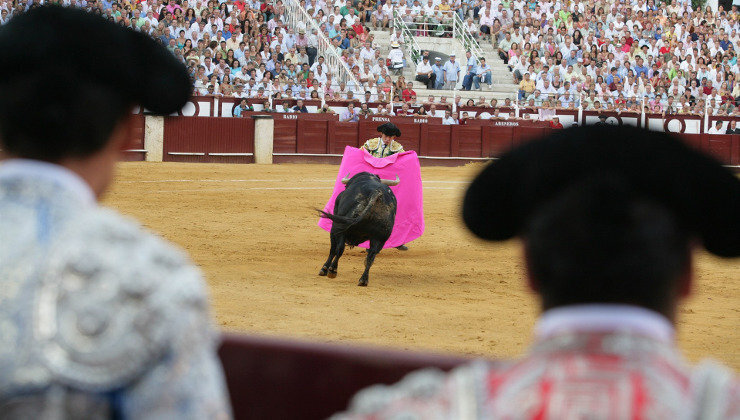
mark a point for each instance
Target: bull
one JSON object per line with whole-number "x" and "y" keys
{"x": 364, "y": 211}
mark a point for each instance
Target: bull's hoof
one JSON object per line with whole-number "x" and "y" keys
{"x": 362, "y": 282}
{"x": 323, "y": 271}
{"x": 402, "y": 248}
{"x": 331, "y": 274}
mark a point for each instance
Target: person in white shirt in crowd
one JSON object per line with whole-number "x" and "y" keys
{"x": 395, "y": 55}
{"x": 424, "y": 72}
{"x": 450, "y": 118}
{"x": 483, "y": 74}
{"x": 716, "y": 128}
{"x": 451, "y": 72}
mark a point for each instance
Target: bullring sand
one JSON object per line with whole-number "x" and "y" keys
{"x": 252, "y": 230}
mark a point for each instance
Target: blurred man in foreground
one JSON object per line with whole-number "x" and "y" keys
{"x": 608, "y": 217}
{"x": 98, "y": 317}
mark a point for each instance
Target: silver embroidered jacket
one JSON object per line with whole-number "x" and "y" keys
{"x": 98, "y": 317}
{"x": 572, "y": 375}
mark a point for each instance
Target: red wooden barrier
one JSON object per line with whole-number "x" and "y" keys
{"x": 312, "y": 136}
{"x": 271, "y": 378}
{"x": 343, "y": 134}
{"x": 467, "y": 140}
{"x": 285, "y": 134}
{"x": 194, "y": 139}
{"x": 719, "y": 146}
{"x": 323, "y": 137}
{"x": 135, "y": 150}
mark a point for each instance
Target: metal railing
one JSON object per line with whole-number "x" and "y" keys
{"x": 295, "y": 14}
{"x": 461, "y": 32}
{"x": 632, "y": 104}
{"x": 407, "y": 37}
{"x": 438, "y": 25}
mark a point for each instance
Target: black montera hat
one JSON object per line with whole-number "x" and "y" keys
{"x": 389, "y": 129}
{"x": 703, "y": 195}
{"x": 67, "y": 77}
{"x": 69, "y": 45}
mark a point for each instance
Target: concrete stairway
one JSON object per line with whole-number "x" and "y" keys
{"x": 502, "y": 87}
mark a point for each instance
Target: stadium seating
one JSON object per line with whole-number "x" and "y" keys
{"x": 595, "y": 55}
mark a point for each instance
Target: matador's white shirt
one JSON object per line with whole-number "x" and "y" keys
{"x": 98, "y": 317}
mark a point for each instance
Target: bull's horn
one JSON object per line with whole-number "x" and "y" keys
{"x": 346, "y": 178}
{"x": 389, "y": 182}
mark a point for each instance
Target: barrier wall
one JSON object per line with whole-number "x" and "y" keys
{"x": 216, "y": 140}
{"x": 272, "y": 378}
{"x": 323, "y": 138}
{"x": 211, "y": 106}
{"x": 136, "y": 150}
{"x": 306, "y": 137}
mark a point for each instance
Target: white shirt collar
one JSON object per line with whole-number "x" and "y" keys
{"x": 604, "y": 318}
{"x": 59, "y": 175}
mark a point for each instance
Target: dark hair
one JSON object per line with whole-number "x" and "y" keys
{"x": 600, "y": 243}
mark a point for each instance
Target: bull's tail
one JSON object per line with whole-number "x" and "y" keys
{"x": 351, "y": 221}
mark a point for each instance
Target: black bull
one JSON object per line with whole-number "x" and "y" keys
{"x": 364, "y": 211}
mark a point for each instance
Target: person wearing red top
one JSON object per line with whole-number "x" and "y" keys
{"x": 629, "y": 40}
{"x": 556, "y": 124}
{"x": 408, "y": 92}
{"x": 357, "y": 27}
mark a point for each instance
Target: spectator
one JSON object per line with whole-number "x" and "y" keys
{"x": 350, "y": 114}
{"x": 555, "y": 123}
{"x": 464, "y": 118}
{"x": 425, "y": 74}
{"x": 365, "y": 110}
{"x": 439, "y": 73}
{"x": 470, "y": 71}
{"x": 408, "y": 92}
{"x": 449, "y": 118}
{"x": 300, "y": 107}
{"x": 717, "y": 128}
{"x": 242, "y": 107}
{"x": 266, "y": 107}
{"x": 526, "y": 86}
{"x": 483, "y": 74}
{"x": 326, "y": 110}
{"x": 732, "y": 128}
{"x": 451, "y": 72}
{"x": 396, "y": 57}
{"x": 405, "y": 110}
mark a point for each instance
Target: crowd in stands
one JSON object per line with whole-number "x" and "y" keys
{"x": 662, "y": 57}
{"x": 451, "y": 112}
{"x": 628, "y": 55}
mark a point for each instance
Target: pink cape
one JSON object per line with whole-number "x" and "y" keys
{"x": 409, "y": 223}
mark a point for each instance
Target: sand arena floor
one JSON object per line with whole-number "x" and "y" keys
{"x": 253, "y": 232}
